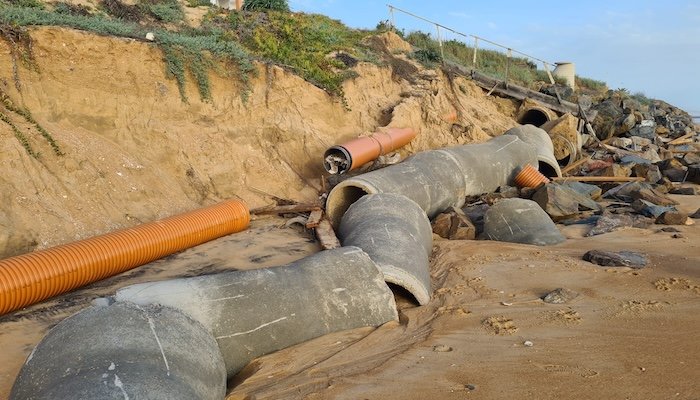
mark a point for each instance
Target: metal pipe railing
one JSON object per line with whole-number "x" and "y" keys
{"x": 509, "y": 50}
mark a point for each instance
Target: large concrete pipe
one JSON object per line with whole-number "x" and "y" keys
{"x": 540, "y": 140}
{"x": 396, "y": 234}
{"x": 357, "y": 152}
{"x": 256, "y": 312}
{"x": 438, "y": 179}
{"x": 566, "y": 70}
{"x": 533, "y": 113}
{"x": 29, "y": 278}
{"x": 124, "y": 351}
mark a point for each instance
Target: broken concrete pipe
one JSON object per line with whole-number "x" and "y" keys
{"x": 396, "y": 234}
{"x": 181, "y": 339}
{"x": 535, "y": 114}
{"x": 357, "y": 152}
{"x": 439, "y": 179}
{"x": 542, "y": 142}
{"x": 30, "y": 278}
{"x": 124, "y": 351}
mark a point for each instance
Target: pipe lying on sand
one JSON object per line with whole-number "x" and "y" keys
{"x": 439, "y": 179}
{"x": 32, "y": 277}
{"x": 242, "y": 315}
{"x": 396, "y": 234}
{"x": 357, "y": 152}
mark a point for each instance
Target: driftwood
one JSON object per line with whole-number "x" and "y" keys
{"x": 326, "y": 235}
{"x": 292, "y": 208}
{"x": 599, "y": 179}
{"x": 575, "y": 165}
{"x": 314, "y": 219}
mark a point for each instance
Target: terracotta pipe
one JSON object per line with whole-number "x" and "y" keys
{"x": 30, "y": 278}
{"x": 342, "y": 158}
{"x": 530, "y": 177}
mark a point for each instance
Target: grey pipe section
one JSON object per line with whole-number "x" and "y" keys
{"x": 256, "y": 312}
{"x": 396, "y": 234}
{"x": 124, "y": 351}
{"x": 540, "y": 140}
{"x": 182, "y": 338}
{"x": 439, "y": 179}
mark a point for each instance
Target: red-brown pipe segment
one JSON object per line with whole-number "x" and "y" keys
{"x": 32, "y": 277}
{"x": 367, "y": 148}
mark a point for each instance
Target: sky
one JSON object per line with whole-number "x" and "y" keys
{"x": 644, "y": 46}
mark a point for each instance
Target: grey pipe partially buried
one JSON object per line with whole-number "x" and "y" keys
{"x": 396, "y": 234}
{"x": 542, "y": 143}
{"x": 155, "y": 331}
{"x": 438, "y": 179}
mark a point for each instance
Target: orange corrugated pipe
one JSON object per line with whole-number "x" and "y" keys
{"x": 32, "y": 277}
{"x": 357, "y": 152}
{"x": 530, "y": 177}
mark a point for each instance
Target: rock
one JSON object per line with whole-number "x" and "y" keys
{"x": 528, "y": 343}
{"x": 691, "y": 158}
{"x": 677, "y": 236}
{"x": 645, "y": 129}
{"x": 561, "y": 201}
{"x": 614, "y": 170}
{"x": 594, "y": 165}
{"x": 591, "y": 191}
{"x": 454, "y": 225}
{"x": 696, "y": 214}
{"x": 630, "y": 160}
{"x": 504, "y": 192}
{"x": 623, "y": 143}
{"x": 605, "y": 122}
{"x": 520, "y": 221}
{"x": 650, "y": 172}
{"x": 625, "y": 124}
{"x": 639, "y": 190}
{"x": 687, "y": 191}
{"x": 673, "y": 170}
{"x": 609, "y": 222}
{"x": 616, "y": 259}
{"x": 441, "y": 348}
{"x": 693, "y": 174}
{"x": 672, "y": 218}
{"x": 565, "y": 92}
{"x": 662, "y": 130}
{"x": 629, "y": 105}
{"x": 669, "y": 229}
{"x": 476, "y": 215}
{"x": 560, "y": 296}
{"x": 470, "y": 387}
{"x": 150, "y": 36}
{"x": 649, "y": 209}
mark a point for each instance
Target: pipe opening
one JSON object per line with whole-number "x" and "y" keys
{"x": 547, "y": 170}
{"x": 337, "y": 160}
{"x": 402, "y": 296}
{"x": 343, "y": 197}
{"x": 535, "y": 117}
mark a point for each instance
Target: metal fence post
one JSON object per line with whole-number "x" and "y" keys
{"x": 549, "y": 74}
{"x": 509, "y": 54}
{"x": 476, "y": 46}
{"x": 442, "y": 53}
{"x": 391, "y": 17}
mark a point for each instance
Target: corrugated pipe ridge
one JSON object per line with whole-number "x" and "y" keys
{"x": 29, "y": 278}
{"x": 530, "y": 177}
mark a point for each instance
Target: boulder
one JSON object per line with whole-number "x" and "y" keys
{"x": 616, "y": 258}
{"x": 561, "y": 201}
{"x": 650, "y": 172}
{"x": 609, "y": 222}
{"x": 520, "y": 221}
{"x": 605, "y": 122}
{"x": 673, "y": 169}
{"x": 614, "y": 170}
{"x": 686, "y": 191}
{"x": 454, "y": 225}
{"x": 693, "y": 174}
{"x": 672, "y": 218}
{"x": 649, "y": 209}
{"x": 560, "y": 296}
{"x": 645, "y": 129}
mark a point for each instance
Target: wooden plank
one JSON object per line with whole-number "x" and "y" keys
{"x": 314, "y": 219}
{"x": 326, "y": 235}
{"x": 292, "y": 208}
{"x": 599, "y": 179}
{"x": 575, "y": 165}
{"x": 521, "y": 93}
{"x": 682, "y": 138}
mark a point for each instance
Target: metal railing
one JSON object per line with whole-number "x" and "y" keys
{"x": 509, "y": 51}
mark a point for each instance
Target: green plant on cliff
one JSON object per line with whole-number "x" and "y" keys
{"x": 263, "y": 5}
{"x": 21, "y": 137}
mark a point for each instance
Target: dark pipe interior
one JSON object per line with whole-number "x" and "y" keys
{"x": 547, "y": 170}
{"x": 534, "y": 117}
